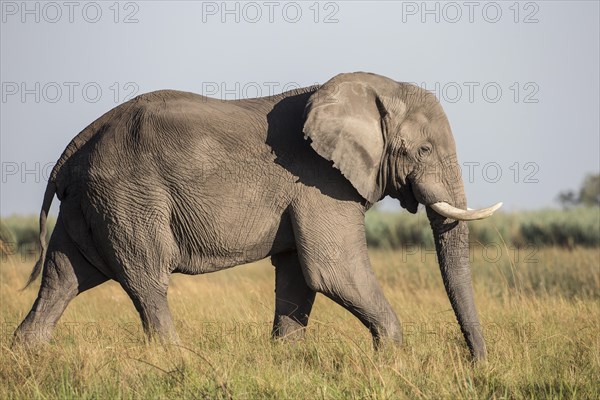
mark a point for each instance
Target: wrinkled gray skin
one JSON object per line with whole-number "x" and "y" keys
{"x": 177, "y": 182}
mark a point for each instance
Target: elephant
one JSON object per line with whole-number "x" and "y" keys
{"x": 173, "y": 181}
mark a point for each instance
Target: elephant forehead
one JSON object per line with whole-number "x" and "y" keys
{"x": 415, "y": 122}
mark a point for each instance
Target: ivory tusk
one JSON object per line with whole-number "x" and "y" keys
{"x": 449, "y": 211}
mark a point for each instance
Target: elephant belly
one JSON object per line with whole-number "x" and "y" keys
{"x": 220, "y": 230}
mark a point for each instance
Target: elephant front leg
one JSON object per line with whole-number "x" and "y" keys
{"x": 332, "y": 250}
{"x": 293, "y": 298}
{"x": 352, "y": 284}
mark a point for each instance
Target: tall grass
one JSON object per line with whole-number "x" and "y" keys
{"x": 540, "y": 311}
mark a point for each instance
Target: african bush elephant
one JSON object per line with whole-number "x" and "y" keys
{"x": 177, "y": 182}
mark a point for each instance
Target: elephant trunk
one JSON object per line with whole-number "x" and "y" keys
{"x": 452, "y": 246}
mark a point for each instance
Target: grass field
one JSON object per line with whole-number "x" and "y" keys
{"x": 540, "y": 311}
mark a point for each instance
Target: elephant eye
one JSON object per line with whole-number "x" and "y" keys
{"x": 424, "y": 150}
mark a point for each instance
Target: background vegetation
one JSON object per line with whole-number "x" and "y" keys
{"x": 578, "y": 226}
{"x": 588, "y": 194}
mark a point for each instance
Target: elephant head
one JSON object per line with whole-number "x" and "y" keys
{"x": 393, "y": 138}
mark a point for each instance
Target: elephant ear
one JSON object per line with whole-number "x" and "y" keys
{"x": 343, "y": 119}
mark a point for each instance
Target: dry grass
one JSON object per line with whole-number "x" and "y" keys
{"x": 541, "y": 320}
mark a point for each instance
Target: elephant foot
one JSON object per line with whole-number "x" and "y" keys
{"x": 286, "y": 328}
{"x": 389, "y": 337}
{"x": 479, "y": 354}
{"x": 30, "y": 337}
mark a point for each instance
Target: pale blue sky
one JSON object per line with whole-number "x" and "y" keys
{"x": 541, "y": 132}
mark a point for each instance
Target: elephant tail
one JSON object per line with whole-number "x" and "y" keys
{"x": 95, "y": 128}
{"x": 51, "y": 190}
{"x": 48, "y": 196}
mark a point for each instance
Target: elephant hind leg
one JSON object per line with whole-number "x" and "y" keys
{"x": 293, "y": 298}
{"x": 66, "y": 273}
{"x": 150, "y": 300}
{"x": 142, "y": 256}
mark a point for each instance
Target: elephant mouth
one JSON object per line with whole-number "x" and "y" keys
{"x": 407, "y": 199}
